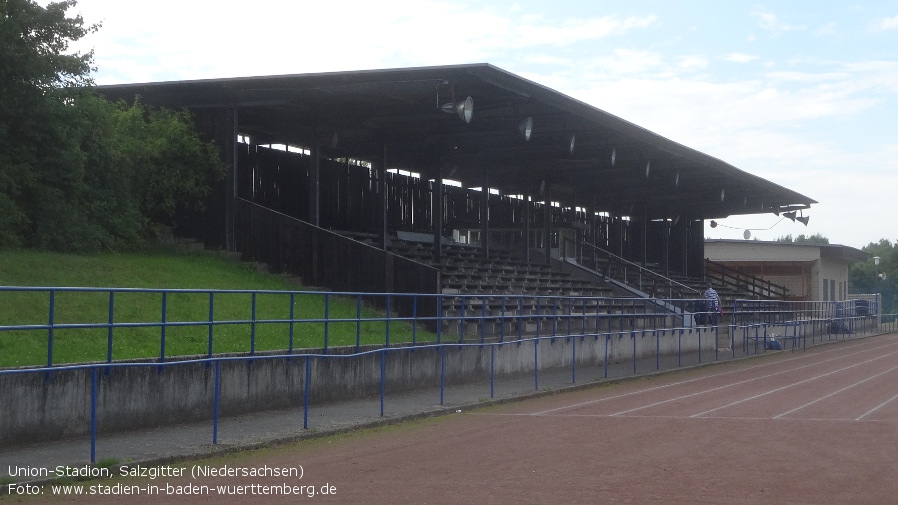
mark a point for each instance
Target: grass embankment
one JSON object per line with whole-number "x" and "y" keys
{"x": 168, "y": 269}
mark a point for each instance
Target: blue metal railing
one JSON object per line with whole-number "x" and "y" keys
{"x": 493, "y": 316}
{"x": 383, "y": 352}
{"x": 758, "y": 324}
{"x": 794, "y": 321}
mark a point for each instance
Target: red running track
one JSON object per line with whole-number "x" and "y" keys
{"x": 812, "y": 427}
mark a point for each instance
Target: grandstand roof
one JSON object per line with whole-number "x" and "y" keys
{"x": 615, "y": 165}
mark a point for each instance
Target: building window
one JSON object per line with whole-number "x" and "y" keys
{"x": 832, "y": 288}
{"x": 825, "y": 289}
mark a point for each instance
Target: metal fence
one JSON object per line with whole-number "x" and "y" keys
{"x": 101, "y": 320}
{"x": 763, "y": 322}
{"x": 496, "y": 321}
{"x": 287, "y": 321}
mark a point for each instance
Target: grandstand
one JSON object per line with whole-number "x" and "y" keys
{"x": 459, "y": 180}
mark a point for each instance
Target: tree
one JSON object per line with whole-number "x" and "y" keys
{"x": 867, "y": 277}
{"x": 78, "y": 173}
{"x": 169, "y": 166}
{"x": 37, "y": 80}
{"x": 816, "y": 238}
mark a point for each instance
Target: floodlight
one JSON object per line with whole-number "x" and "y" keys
{"x": 464, "y": 108}
{"x": 525, "y": 128}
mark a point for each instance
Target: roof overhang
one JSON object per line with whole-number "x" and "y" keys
{"x": 755, "y": 249}
{"x": 395, "y": 114}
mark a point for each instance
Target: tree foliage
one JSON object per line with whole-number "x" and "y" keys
{"x": 78, "y": 173}
{"x": 867, "y": 277}
{"x": 816, "y": 238}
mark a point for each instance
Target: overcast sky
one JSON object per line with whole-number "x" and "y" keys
{"x": 802, "y": 93}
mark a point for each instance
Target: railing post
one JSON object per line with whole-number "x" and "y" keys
{"x": 414, "y": 320}
{"x": 326, "y": 318}
{"x": 211, "y": 323}
{"x": 492, "y": 369}
{"x": 536, "y": 363}
{"x": 442, "y": 372}
{"x": 164, "y": 326}
{"x": 358, "y": 322}
{"x": 215, "y": 402}
{"x": 605, "y": 361}
{"x": 502, "y": 320}
{"x": 292, "y": 322}
{"x": 50, "y": 318}
{"x": 554, "y": 318}
{"x": 483, "y": 319}
{"x": 439, "y": 318}
{"x": 383, "y": 373}
{"x": 93, "y": 415}
{"x": 461, "y": 321}
{"x": 109, "y": 331}
{"x": 306, "y": 391}
{"x": 699, "y": 345}
{"x": 680, "y": 348}
{"x": 538, "y": 316}
{"x": 387, "y": 322}
{"x": 252, "y": 327}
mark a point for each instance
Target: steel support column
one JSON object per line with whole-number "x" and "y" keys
{"x": 315, "y": 182}
{"x": 382, "y": 218}
{"x": 437, "y": 206}
{"x": 485, "y": 214}
{"x": 547, "y": 224}
{"x": 231, "y": 162}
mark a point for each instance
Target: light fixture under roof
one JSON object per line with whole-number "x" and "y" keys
{"x": 648, "y": 168}
{"x": 464, "y": 108}
{"x": 525, "y": 128}
{"x": 571, "y": 145}
{"x": 613, "y": 156}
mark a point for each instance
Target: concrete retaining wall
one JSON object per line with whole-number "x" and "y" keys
{"x": 38, "y": 406}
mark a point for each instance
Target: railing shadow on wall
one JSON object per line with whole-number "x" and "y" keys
{"x": 321, "y": 257}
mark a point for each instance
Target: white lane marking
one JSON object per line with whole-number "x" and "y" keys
{"x": 835, "y": 393}
{"x": 874, "y": 409}
{"x": 623, "y": 395}
{"x": 789, "y": 386}
{"x": 733, "y": 384}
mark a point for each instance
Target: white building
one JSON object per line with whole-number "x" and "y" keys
{"x": 808, "y": 271}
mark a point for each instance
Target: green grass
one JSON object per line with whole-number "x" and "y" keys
{"x": 168, "y": 269}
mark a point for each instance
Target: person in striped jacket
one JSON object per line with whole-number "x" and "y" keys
{"x": 714, "y": 307}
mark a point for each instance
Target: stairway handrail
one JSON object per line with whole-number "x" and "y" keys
{"x": 669, "y": 281}
{"x": 752, "y": 280}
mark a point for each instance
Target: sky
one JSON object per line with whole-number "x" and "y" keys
{"x": 801, "y": 93}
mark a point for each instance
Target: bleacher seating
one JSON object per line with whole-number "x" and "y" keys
{"x": 505, "y": 295}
